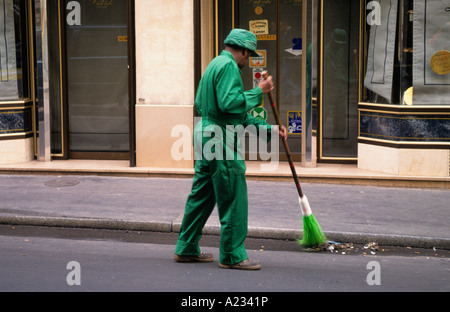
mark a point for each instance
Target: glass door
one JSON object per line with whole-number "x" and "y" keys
{"x": 339, "y": 79}
{"x": 97, "y": 79}
{"x": 278, "y": 26}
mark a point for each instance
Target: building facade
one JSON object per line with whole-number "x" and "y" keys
{"x": 357, "y": 81}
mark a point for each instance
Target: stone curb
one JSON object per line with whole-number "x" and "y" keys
{"x": 253, "y": 232}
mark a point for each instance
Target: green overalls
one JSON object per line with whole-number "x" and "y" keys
{"x": 220, "y": 101}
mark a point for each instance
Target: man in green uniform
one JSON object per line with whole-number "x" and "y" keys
{"x": 221, "y": 101}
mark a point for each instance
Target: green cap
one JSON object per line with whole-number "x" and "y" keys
{"x": 244, "y": 39}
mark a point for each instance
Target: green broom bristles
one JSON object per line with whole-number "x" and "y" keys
{"x": 312, "y": 233}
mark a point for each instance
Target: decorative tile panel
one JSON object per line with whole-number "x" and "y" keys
{"x": 407, "y": 127}
{"x": 15, "y": 121}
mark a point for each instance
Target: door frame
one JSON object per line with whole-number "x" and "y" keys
{"x": 131, "y": 50}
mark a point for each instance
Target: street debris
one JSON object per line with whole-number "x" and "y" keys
{"x": 373, "y": 247}
{"x": 343, "y": 248}
{"x": 346, "y": 248}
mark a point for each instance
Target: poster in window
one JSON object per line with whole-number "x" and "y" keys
{"x": 431, "y": 82}
{"x": 381, "y": 52}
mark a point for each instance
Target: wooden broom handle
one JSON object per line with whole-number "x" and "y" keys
{"x": 286, "y": 146}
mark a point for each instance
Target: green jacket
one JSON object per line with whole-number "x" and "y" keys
{"x": 221, "y": 99}
{"x": 221, "y": 94}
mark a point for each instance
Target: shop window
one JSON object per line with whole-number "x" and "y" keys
{"x": 407, "y": 52}
{"x": 13, "y": 51}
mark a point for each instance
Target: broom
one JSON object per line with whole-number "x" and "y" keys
{"x": 312, "y": 233}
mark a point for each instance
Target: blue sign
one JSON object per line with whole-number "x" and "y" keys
{"x": 295, "y": 122}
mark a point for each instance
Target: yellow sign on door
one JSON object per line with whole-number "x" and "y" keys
{"x": 266, "y": 37}
{"x": 259, "y": 61}
{"x": 259, "y": 27}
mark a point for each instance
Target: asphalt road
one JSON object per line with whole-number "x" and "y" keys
{"x": 34, "y": 259}
{"x": 348, "y": 213}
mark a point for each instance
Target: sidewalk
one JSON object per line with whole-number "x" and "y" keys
{"x": 352, "y": 206}
{"x": 323, "y": 173}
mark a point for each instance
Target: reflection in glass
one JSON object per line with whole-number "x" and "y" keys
{"x": 340, "y": 78}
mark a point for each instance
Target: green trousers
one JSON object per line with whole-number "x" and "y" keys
{"x": 222, "y": 182}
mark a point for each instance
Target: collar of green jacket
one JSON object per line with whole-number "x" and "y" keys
{"x": 228, "y": 54}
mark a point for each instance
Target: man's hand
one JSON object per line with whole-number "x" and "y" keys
{"x": 282, "y": 132}
{"x": 266, "y": 85}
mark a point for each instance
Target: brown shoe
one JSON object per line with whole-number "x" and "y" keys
{"x": 202, "y": 257}
{"x": 244, "y": 265}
